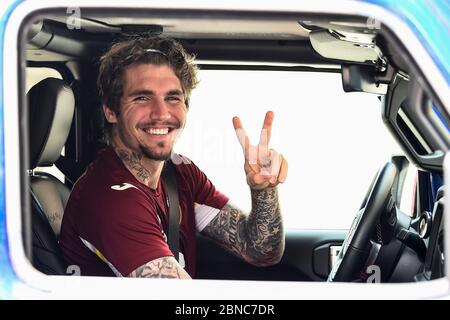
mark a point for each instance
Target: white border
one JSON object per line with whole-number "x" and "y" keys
{"x": 35, "y": 284}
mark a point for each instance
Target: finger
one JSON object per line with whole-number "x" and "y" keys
{"x": 264, "y": 138}
{"x": 240, "y": 132}
{"x": 242, "y": 136}
{"x": 283, "y": 170}
{"x": 265, "y": 164}
{"x": 275, "y": 163}
{"x": 257, "y": 181}
{"x": 250, "y": 167}
{"x": 264, "y": 158}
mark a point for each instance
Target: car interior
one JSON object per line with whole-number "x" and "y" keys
{"x": 61, "y": 122}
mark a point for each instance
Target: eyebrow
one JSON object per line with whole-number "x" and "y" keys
{"x": 175, "y": 92}
{"x": 145, "y": 92}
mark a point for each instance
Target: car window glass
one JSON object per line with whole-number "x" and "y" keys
{"x": 334, "y": 141}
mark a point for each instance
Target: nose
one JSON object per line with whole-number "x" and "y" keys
{"x": 160, "y": 110}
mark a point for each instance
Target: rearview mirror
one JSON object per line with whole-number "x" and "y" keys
{"x": 360, "y": 78}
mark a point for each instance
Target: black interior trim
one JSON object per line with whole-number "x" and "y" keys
{"x": 300, "y": 260}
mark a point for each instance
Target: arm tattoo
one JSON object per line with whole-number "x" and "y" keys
{"x": 132, "y": 161}
{"x": 258, "y": 237}
{"x": 165, "y": 267}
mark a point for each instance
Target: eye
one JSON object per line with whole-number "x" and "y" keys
{"x": 174, "y": 99}
{"x": 141, "y": 99}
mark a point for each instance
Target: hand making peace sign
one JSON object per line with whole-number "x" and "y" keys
{"x": 264, "y": 167}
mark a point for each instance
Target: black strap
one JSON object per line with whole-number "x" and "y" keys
{"x": 169, "y": 180}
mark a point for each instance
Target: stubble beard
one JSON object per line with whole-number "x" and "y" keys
{"x": 151, "y": 154}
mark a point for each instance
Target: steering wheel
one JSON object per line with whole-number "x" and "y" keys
{"x": 356, "y": 247}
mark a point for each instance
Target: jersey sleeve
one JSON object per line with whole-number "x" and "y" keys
{"x": 128, "y": 232}
{"x": 208, "y": 200}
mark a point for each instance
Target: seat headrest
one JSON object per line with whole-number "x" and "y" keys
{"x": 51, "y": 104}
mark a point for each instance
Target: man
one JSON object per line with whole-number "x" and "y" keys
{"x": 116, "y": 219}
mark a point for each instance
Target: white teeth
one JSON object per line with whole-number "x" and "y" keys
{"x": 159, "y": 131}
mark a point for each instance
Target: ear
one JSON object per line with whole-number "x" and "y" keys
{"x": 110, "y": 115}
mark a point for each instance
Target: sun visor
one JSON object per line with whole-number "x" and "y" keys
{"x": 364, "y": 68}
{"x": 332, "y": 45}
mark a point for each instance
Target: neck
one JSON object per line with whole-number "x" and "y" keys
{"x": 145, "y": 170}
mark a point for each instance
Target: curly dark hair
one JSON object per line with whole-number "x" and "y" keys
{"x": 143, "y": 50}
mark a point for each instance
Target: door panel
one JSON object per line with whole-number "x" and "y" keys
{"x": 306, "y": 258}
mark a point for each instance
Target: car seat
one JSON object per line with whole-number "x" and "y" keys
{"x": 51, "y": 105}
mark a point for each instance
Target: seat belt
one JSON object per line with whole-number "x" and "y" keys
{"x": 69, "y": 168}
{"x": 169, "y": 181}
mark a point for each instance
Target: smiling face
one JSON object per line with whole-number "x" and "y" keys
{"x": 152, "y": 111}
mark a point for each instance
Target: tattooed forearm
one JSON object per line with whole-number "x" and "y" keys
{"x": 264, "y": 226}
{"x": 132, "y": 161}
{"x": 257, "y": 237}
{"x": 165, "y": 267}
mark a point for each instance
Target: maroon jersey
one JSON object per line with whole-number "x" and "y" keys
{"x": 114, "y": 224}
